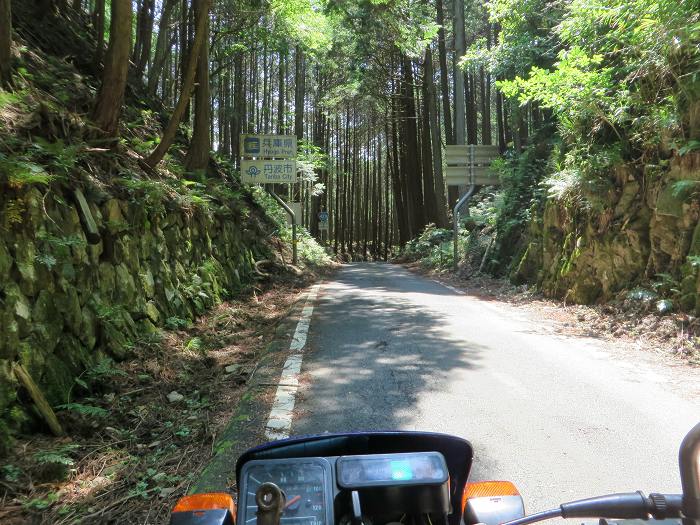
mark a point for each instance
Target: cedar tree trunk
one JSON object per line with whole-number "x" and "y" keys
{"x": 198, "y": 154}
{"x": 187, "y": 85}
{"x": 6, "y": 43}
{"x": 111, "y": 94}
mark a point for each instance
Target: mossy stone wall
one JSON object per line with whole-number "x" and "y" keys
{"x": 64, "y": 303}
{"x": 644, "y": 224}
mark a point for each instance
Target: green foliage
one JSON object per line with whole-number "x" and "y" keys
{"x": 84, "y": 410}
{"x": 617, "y": 78}
{"x": 579, "y": 90}
{"x": 176, "y": 323}
{"x": 310, "y": 160}
{"x": 8, "y": 99}
{"x": 310, "y": 252}
{"x": 666, "y": 285}
{"x": 271, "y": 207}
{"x": 526, "y": 37}
{"x": 40, "y": 504}
{"x": 19, "y": 172}
{"x": 56, "y": 456}
{"x": 102, "y": 370}
{"x": 152, "y": 194}
{"x": 47, "y": 260}
{"x": 433, "y": 247}
{"x": 40, "y": 162}
{"x": 10, "y": 472}
{"x": 59, "y": 156}
{"x": 304, "y": 22}
{"x": 624, "y": 73}
{"x": 195, "y": 344}
{"x": 685, "y": 189}
{"x": 691, "y": 145}
{"x": 55, "y": 249}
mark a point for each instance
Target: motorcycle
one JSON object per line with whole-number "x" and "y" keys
{"x": 407, "y": 478}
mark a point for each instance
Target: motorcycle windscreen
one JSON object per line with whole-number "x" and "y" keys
{"x": 457, "y": 452}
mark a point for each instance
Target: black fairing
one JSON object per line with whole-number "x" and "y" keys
{"x": 458, "y": 453}
{"x": 202, "y": 517}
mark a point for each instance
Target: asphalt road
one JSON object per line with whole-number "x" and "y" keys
{"x": 563, "y": 417}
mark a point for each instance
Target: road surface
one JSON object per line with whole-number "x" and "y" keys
{"x": 561, "y": 416}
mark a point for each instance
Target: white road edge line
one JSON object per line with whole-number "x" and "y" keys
{"x": 456, "y": 290}
{"x": 279, "y": 424}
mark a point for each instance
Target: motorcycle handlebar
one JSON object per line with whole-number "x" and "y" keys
{"x": 689, "y": 462}
{"x": 635, "y": 505}
{"x": 629, "y": 505}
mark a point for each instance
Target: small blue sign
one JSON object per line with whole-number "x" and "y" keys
{"x": 251, "y": 145}
{"x": 323, "y": 216}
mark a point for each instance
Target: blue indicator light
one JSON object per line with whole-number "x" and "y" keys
{"x": 401, "y": 470}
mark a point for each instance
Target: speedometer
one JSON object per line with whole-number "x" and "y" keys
{"x": 306, "y": 483}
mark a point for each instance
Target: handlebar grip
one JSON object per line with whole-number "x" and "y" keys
{"x": 626, "y": 505}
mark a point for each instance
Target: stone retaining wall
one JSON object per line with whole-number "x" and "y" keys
{"x": 643, "y": 226}
{"x": 64, "y": 302}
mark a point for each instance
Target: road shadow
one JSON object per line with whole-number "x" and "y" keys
{"x": 373, "y": 353}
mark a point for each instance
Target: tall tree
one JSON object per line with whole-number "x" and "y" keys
{"x": 412, "y": 162}
{"x": 299, "y": 93}
{"x": 239, "y": 105}
{"x": 460, "y": 50}
{"x": 444, "y": 86}
{"x": 144, "y": 32}
{"x": 434, "y": 123}
{"x": 99, "y": 20}
{"x": 161, "y": 53}
{"x": 198, "y": 153}
{"x": 111, "y": 94}
{"x": 6, "y": 43}
{"x": 187, "y": 84}
{"x": 429, "y": 199}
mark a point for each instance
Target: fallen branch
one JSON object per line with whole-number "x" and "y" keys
{"x": 37, "y": 396}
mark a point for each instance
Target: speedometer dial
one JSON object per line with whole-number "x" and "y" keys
{"x": 304, "y": 483}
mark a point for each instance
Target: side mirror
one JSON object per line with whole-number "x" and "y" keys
{"x": 491, "y": 503}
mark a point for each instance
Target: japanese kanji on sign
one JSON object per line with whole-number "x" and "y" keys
{"x": 261, "y": 171}
{"x": 269, "y": 146}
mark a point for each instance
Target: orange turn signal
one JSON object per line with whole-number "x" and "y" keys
{"x": 486, "y": 489}
{"x": 208, "y": 501}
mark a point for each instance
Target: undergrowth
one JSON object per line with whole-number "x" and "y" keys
{"x": 310, "y": 252}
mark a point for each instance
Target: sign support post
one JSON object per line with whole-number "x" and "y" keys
{"x": 292, "y": 216}
{"x": 271, "y": 159}
{"x": 464, "y": 200}
{"x": 455, "y": 216}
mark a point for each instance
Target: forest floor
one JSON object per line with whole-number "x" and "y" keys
{"x": 632, "y": 324}
{"x": 152, "y": 429}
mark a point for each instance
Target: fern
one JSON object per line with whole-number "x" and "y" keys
{"x": 195, "y": 344}
{"x": 104, "y": 368}
{"x": 47, "y": 260}
{"x": 21, "y": 172}
{"x": 691, "y": 145}
{"x": 56, "y": 456}
{"x": 683, "y": 189}
{"x": 14, "y": 213}
{"x": 84, "y": 410}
